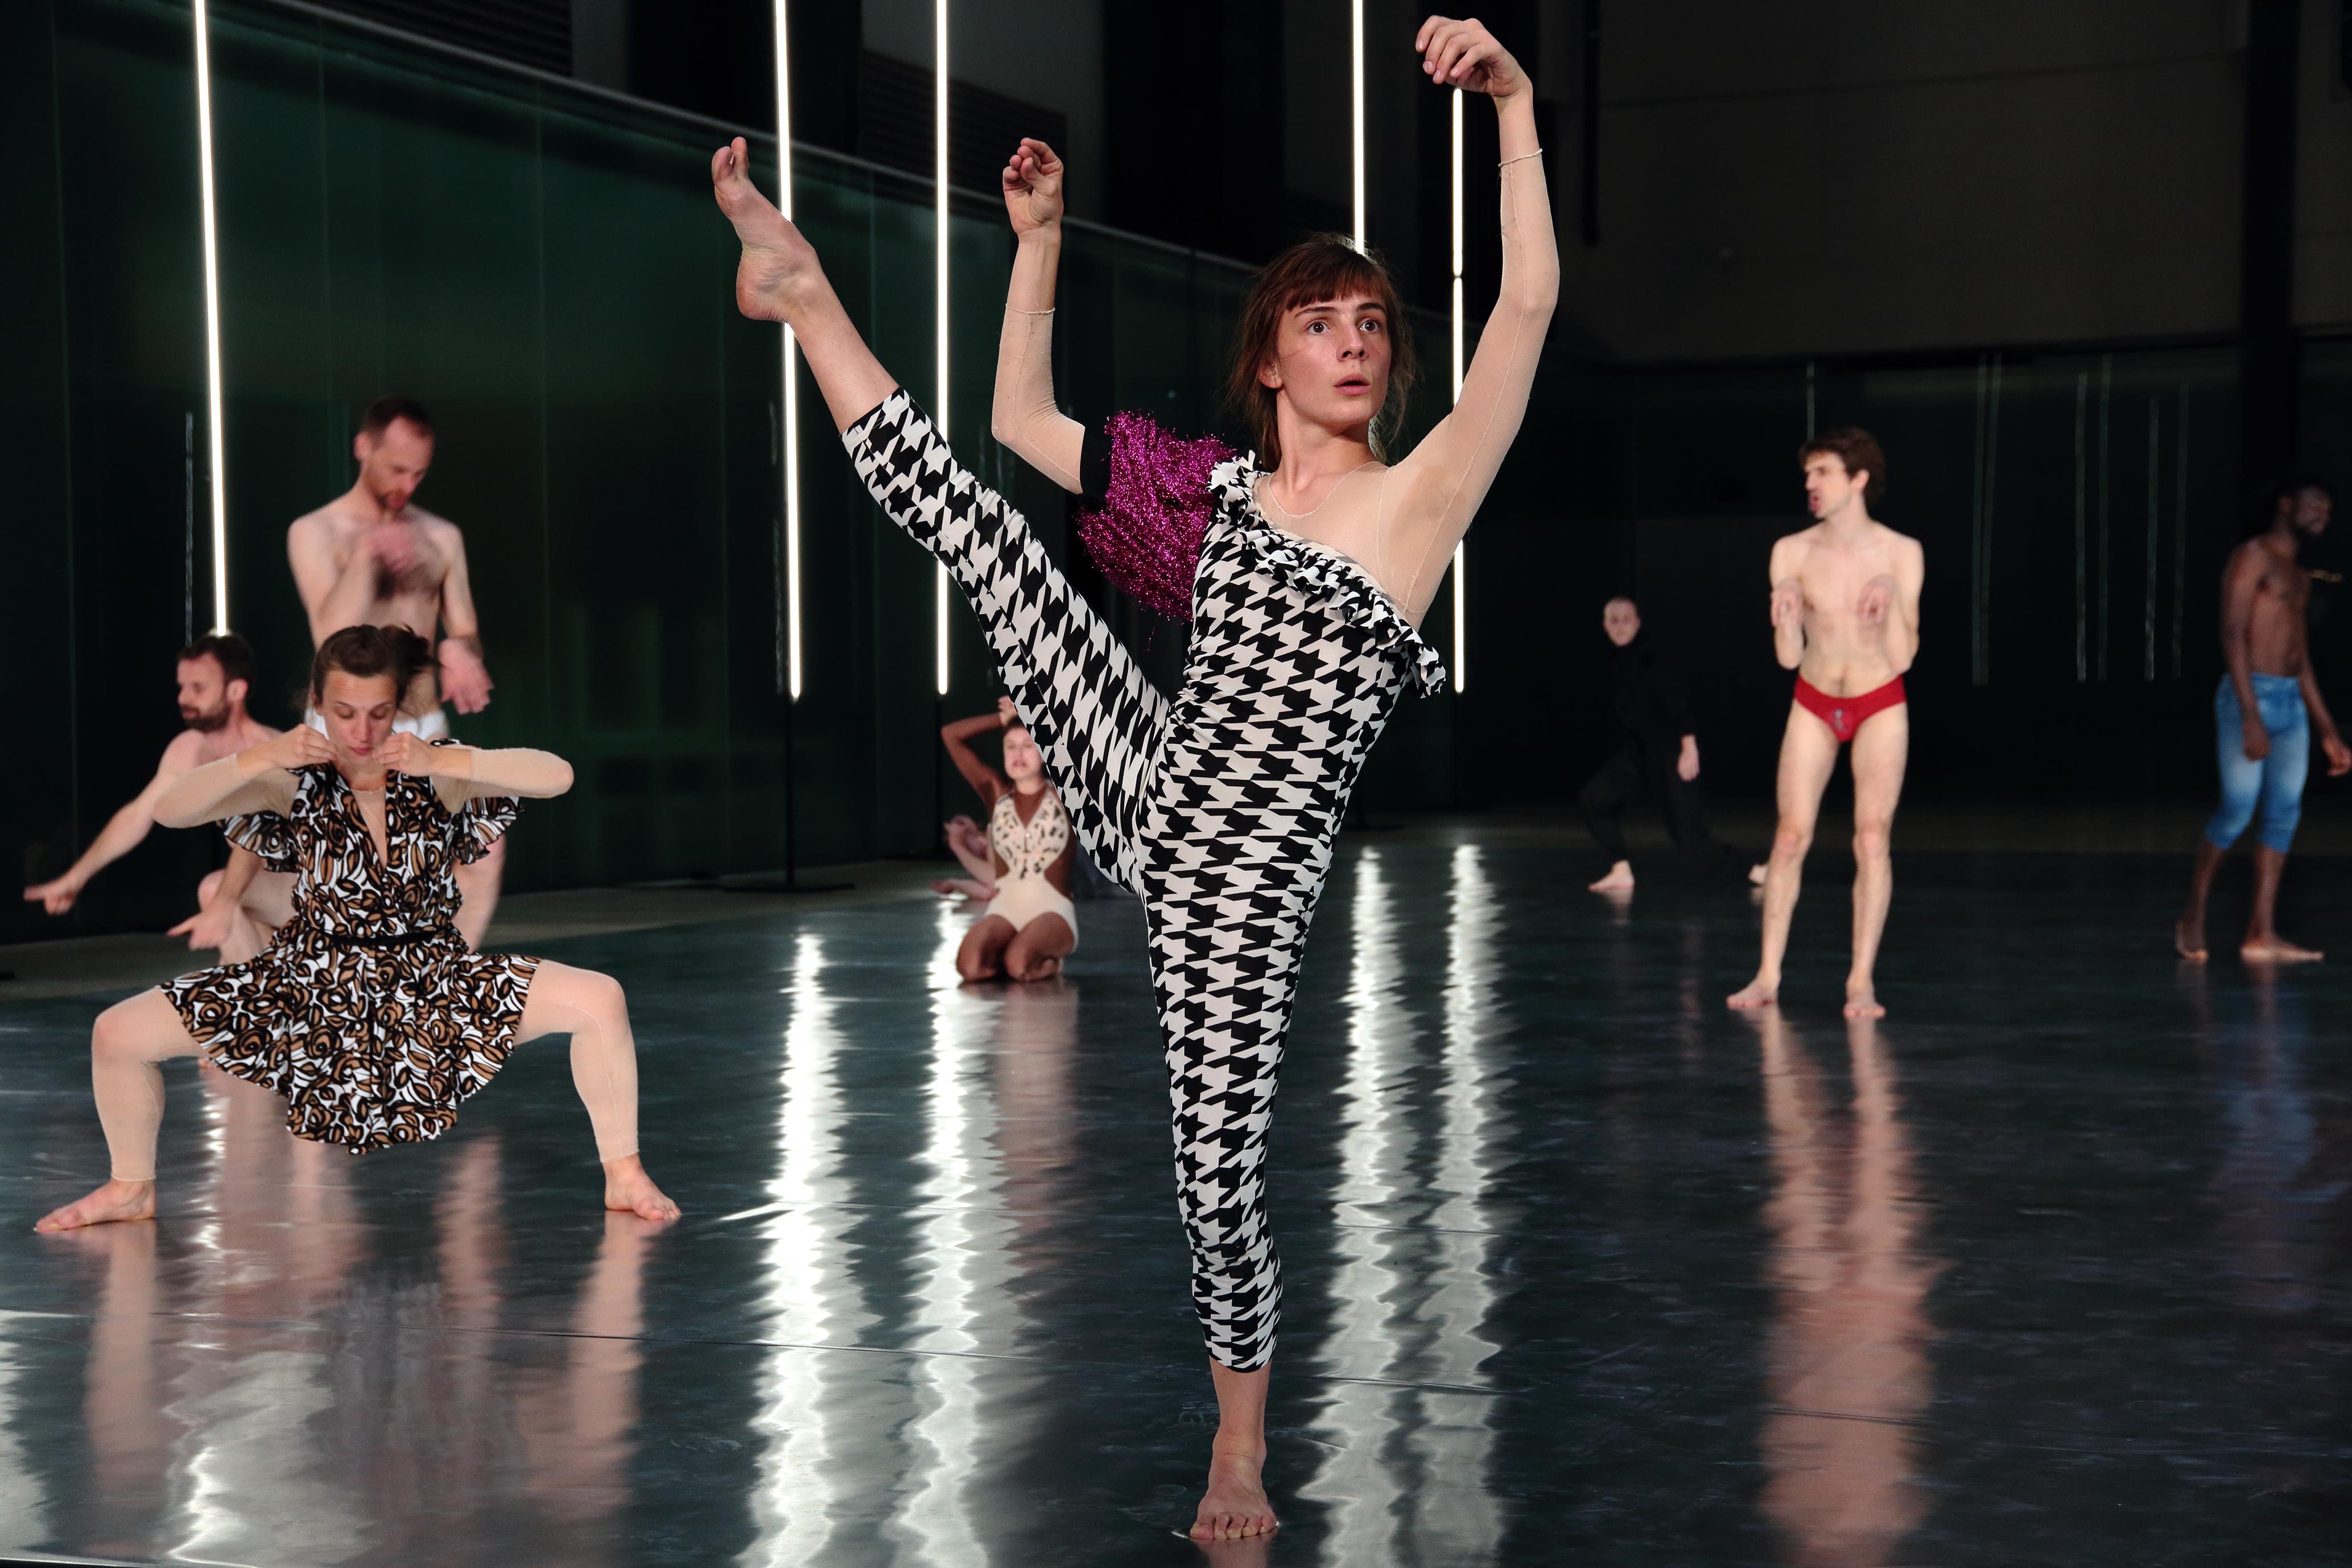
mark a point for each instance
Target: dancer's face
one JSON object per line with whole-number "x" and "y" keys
{"x": 1022, "y": 759}
{"x": 359, "y": 710}
{"x": 1331, "y": 362}
{"x": 2312, "y": 510}
{"x": 1622, "y": 621}
{"x": 206, "y": 697}
{"x": 1828, "y": 489}
{"x": 393, "y": 464}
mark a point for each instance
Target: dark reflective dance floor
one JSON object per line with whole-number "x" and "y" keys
{"x": 2050, "y": 1267}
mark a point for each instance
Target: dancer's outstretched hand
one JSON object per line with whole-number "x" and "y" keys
{"x": 1033, "y": 187}
{"x": 1465, "y": 55}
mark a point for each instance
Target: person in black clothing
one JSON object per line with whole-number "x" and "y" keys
{"x": 1659, "y": 757}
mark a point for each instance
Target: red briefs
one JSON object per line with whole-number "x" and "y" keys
{"x": 1844, "y": 715}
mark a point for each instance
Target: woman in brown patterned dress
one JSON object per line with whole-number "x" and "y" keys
{"x": 368, "y": 1013}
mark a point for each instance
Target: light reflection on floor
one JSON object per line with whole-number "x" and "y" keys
{"x": 2050, "y": 1266}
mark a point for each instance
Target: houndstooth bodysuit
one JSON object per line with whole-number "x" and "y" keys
{"x": 1219, "y": 807}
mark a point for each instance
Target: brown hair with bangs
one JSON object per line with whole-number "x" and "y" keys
{"x": 1324, "y": 267}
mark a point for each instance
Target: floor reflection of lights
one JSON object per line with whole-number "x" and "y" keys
{"x": 801, "y": 1485}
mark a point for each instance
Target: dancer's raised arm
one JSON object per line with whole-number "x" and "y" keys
{"x": 779, "y": 280}
{"x": 1449, "y": 472}
{"x": 1024, "y": 415}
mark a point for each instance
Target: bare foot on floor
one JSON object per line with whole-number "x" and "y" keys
{"x": 1861, "y": 1001}
{"x": 1618, "y": 879}
{"x": 2188, "y": 942}
{"x": 1235, "y": 1507}
{"x": 775, "y": 258}
{"x": 1757, "y": 993}
{"x": 628, "y": 1190}
{"x": 2277, "y": 949}
{"x": 1756, "y": 874}
{"x": 114, "y": 1200}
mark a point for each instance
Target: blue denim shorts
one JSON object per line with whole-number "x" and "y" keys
{"x": 2274, "y": 783}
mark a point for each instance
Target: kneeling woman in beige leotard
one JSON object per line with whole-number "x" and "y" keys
{"x": 1031, "y": 924}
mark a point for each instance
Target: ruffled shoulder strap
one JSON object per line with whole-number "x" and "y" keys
{"x": 1149, "y": 501}
{"x": 270, "y": 835}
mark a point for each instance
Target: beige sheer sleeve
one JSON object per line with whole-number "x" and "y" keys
{"x": 1429, "y": 499}
{"x": 220, "y": 790}
{"x": 510, "y": 771}
{"x": 1023, "y": 415}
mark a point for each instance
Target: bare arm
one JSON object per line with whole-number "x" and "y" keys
{"x": 2242, "y": 584}
{"x": 1788, "y": 605}
{"x": 1023, "y": 415}
{"x": 1903, "y": 609}
{"x": 2339, "y": 758}
{"x": 464, "y": 678}
{"x": 334, "y": 596}
{"x": 124, "y": 832}
{"x": 1448, "y": 474}
{"x": 985, "y": 781}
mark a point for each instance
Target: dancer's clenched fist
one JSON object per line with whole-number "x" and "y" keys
{"x": 1465, "y": 54}
{"x": 1033, "y": 187}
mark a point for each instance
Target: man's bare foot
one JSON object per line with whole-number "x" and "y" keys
{"x": 1235, "y": 1507}
{"x": 114, "y": 1200}
{"x": 1757, "y": 993}
{"x": 775, "y": 258}
{"x": 1619, "y": 879}
{"x": 1861, "y": 1000}
{"x": 1756, "y": 874}
{"x": 2188, "y": 940}
{"x": 628, "y": 1190}
{"x": 2276, "y": 950}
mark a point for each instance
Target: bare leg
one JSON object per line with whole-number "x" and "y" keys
{"x": 981, "y": 956}
{"x": 1036, "y": 951}
{"x": 1235, "y": 1507}
{"x": 1808, "y": 756}
{"x": 478, "y": 891}
{"x": 1882, "y": 750}
{"x": 779, "y": 280}
{"x": 128, "y": 1040}
{"x": 590, "y": 1008}
{"x": 2263, "y": 945}
{"x": 2188, "y": 931}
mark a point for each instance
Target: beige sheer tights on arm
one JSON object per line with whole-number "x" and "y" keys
{"x": 1024, "y": 415}
{"x": 590, "y": 1008}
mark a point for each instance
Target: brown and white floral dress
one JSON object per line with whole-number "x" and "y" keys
{"x": 368, "y": 1013}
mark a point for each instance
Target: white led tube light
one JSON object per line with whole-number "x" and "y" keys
{"x": 218, "y": 445}
{"x": 1356, "y": 115}
{"x": 791, "y": 427}
{"x": 939, "y": 307}
{"x": 1460, "y": 551}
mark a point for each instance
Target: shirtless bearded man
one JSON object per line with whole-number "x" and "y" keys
{"x": 1845, "y": 616}
{"x": 370, "y": 557}
{"x": 2265, "y": 715}
{"x": 237, "y": 908}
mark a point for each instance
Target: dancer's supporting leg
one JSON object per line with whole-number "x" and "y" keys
{"x": 126, "y": 1043}
{"x": 1603, "y": 800}
{"x": 590, "y": 1008}
{"x": 1808, "y": 754}
{"x": 1882, "y": 747}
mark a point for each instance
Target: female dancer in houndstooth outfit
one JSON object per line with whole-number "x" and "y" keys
{"x": 1306, "y": 582}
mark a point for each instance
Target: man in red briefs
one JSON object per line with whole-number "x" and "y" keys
{"x": 1845, "y": 616}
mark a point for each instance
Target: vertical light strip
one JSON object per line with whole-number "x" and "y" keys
{"x": 939, "y": 308}
{"x": 792, "y": 403}
{"x": 1460, "y": 551}
{"x": 218, "y": 445}
{"x": 1356, "y": 116}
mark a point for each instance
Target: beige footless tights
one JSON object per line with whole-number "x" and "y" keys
{"x": 133, "y": 1036}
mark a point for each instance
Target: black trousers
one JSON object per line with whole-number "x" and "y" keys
{"x": 1637, "y": 771}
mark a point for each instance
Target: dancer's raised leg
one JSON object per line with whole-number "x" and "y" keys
{"x": 125, "y": 1044}
{"x": 590, "y": 1008}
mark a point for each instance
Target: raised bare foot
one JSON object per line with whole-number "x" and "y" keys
{"x": 1861, "y": 1000}
{"x": 1618, "y": 879}
{"x": 776, "y": 257}
{"x": 2276, "y": 950}
{"x": 628, "y": 1190}
{"x": 1235, "y": 1507}
{"x": 1756, "y": 874}
{"x": 1757, "y": 993}
{"x": 114, "y": 1200}
{"x": 2189, "y": 939}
